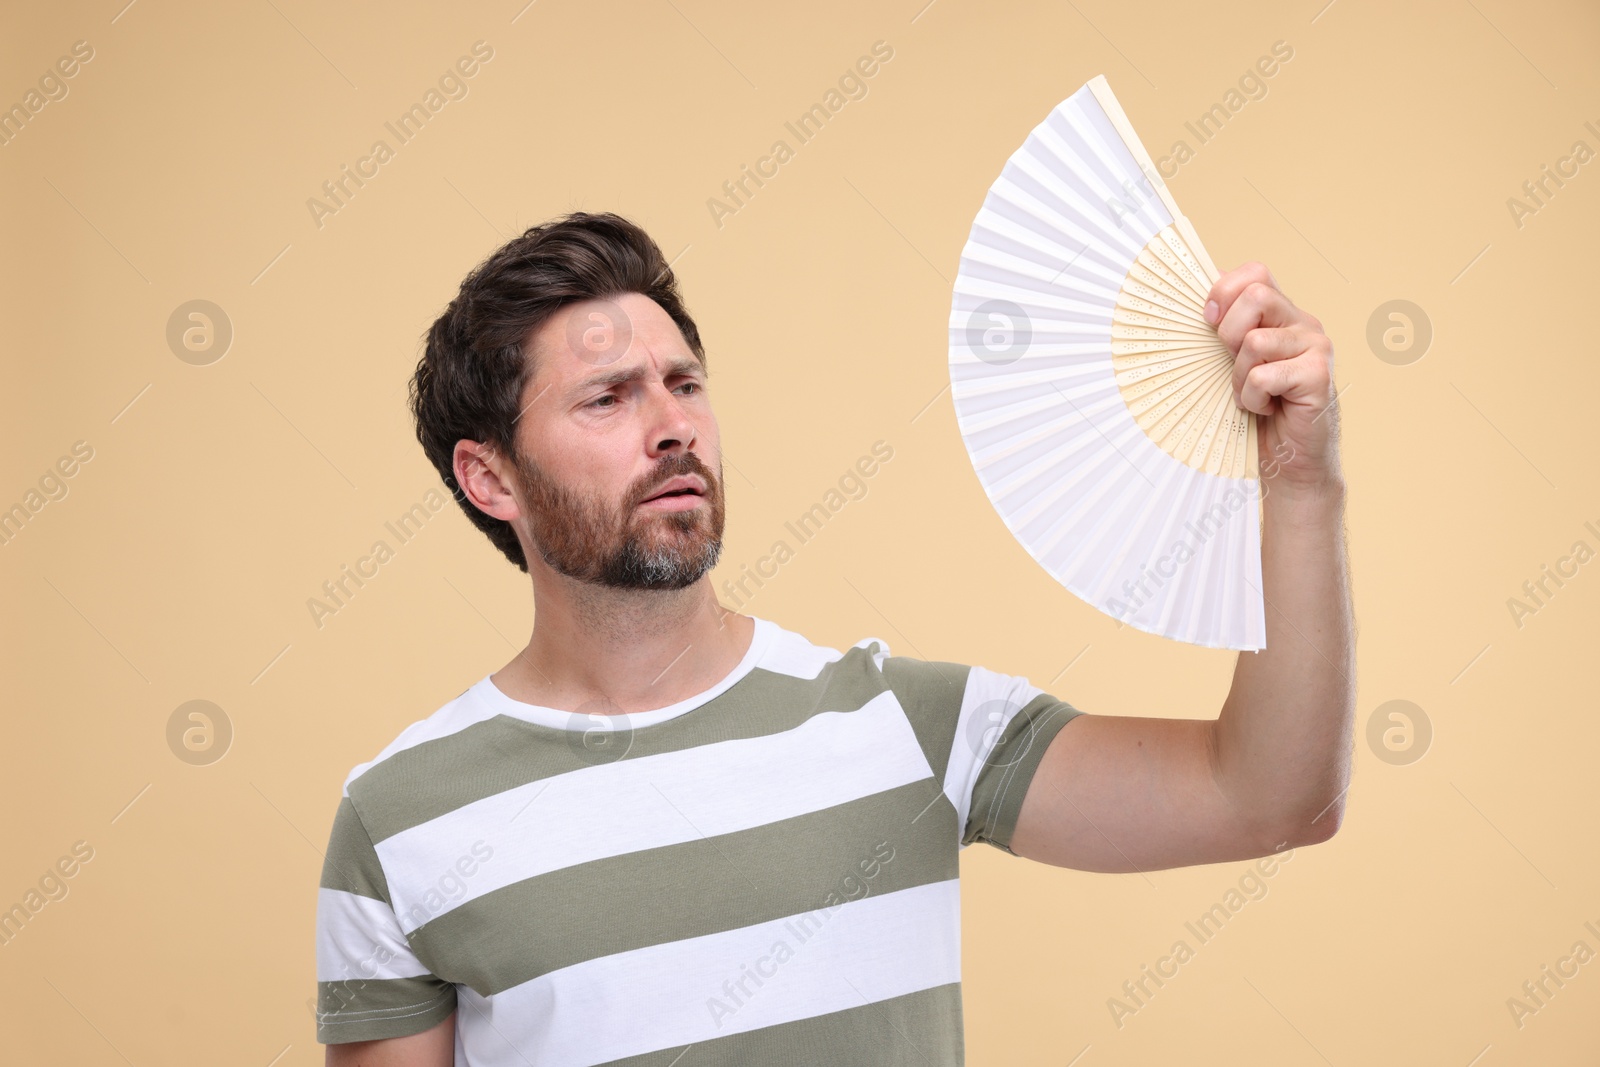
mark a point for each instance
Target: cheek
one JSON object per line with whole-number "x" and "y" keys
{"x": 709, "y": 437}
{"x": 710, "y": 453}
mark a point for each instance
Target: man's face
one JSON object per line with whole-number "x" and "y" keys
{"x": 616, "y": 408}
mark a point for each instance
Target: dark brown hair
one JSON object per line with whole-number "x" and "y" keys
{"x": 471, "y": 377}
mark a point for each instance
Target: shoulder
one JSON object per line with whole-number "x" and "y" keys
{"x": 959, "y": 711}
{"x": 793, "y": 654}
{"x": 930, "y": 693}
{"x": 867, "y": 665}
{"x": 448, "y": 727}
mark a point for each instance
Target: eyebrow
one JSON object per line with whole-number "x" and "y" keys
{"x": 679, "y": 365}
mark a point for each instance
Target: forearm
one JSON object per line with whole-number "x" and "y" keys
{"x": 1283, "y": 739}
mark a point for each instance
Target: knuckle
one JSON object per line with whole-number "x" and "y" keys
{"x": 1320, "y": 353}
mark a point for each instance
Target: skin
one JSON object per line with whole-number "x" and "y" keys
{"x": 1120, "y": 793}
{"x": 1112, "y": 793}
{"x": 435, "y": 1047}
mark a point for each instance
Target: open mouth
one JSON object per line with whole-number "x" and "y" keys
{"x": 673, "y": 500}
{"x": 680, "y": 492}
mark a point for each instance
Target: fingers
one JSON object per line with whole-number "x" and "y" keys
{"x": 1264, "y": 344}
{"x": 1303, "y": 377}
{"x": 1258, "y": 304}
{"x": 1262, "y": 384}
{"x": 1260, "y": 325}
{"x": 1231, "y": 285}
{"x": 1287, "y": 378}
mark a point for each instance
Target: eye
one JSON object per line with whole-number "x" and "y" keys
{"x": 596, "y": 403}
{"x": 690, "y": 385}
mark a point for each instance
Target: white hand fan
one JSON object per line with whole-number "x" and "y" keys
{"x": 1094, "y": 398}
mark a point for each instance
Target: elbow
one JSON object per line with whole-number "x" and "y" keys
{"x": 1324, "y": 826}
{"x": 1311, "y": 828}
{"x": 1313, "y": 814}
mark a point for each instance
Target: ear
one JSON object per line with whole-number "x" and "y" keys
{"x": 483, "y": 474}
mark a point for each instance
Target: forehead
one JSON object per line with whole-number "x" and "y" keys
{"x": 603, "y": 334}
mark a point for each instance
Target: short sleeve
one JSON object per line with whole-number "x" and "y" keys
{"x": 1004, "y": 728}
{"x": 370, "y": 984}
{"x": 983, "y": 734}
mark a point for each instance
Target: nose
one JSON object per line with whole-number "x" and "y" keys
{"x": 669, "y": 425}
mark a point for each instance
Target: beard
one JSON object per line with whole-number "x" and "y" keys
{"x": 620, "y": 545}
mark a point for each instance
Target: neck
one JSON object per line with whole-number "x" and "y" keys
{"x": 609, "y": 650}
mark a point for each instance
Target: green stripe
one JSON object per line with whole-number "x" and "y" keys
{"x": 436, "y": 777}
{"x": 921, "y": 1029}
{"x": 367, "y": 1009}
{"x": 521, "y": 931}
{"x": 350, "y": 863}
{"x": 1009, "y": 769}
{"x": 931, "y": 693}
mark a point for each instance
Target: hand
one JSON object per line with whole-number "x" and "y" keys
{"x": 1282, "y": 371}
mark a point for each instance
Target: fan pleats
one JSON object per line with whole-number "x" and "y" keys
{"x": 1094, "y": 399}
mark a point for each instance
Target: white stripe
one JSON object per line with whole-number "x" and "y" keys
{"x": 358, "y": 937}
{"x": 990, "y": 701}
{"x": 794, "y": 655}
{"x": 629, "y": 805}
{"x": 797, "y": 657}
{"x": 661, "y": 997}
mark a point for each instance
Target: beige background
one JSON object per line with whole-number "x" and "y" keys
{"x": 220, "y": 497}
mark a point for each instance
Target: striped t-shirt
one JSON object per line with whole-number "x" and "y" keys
{"x": 763, "y": 873}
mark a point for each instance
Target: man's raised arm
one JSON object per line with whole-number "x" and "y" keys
{"x": 1125, "y": 793}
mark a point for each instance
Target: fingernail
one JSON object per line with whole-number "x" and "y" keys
{"x": 1211, "y": 312}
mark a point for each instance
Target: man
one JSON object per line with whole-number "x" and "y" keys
{"x": 669, "y": 833}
